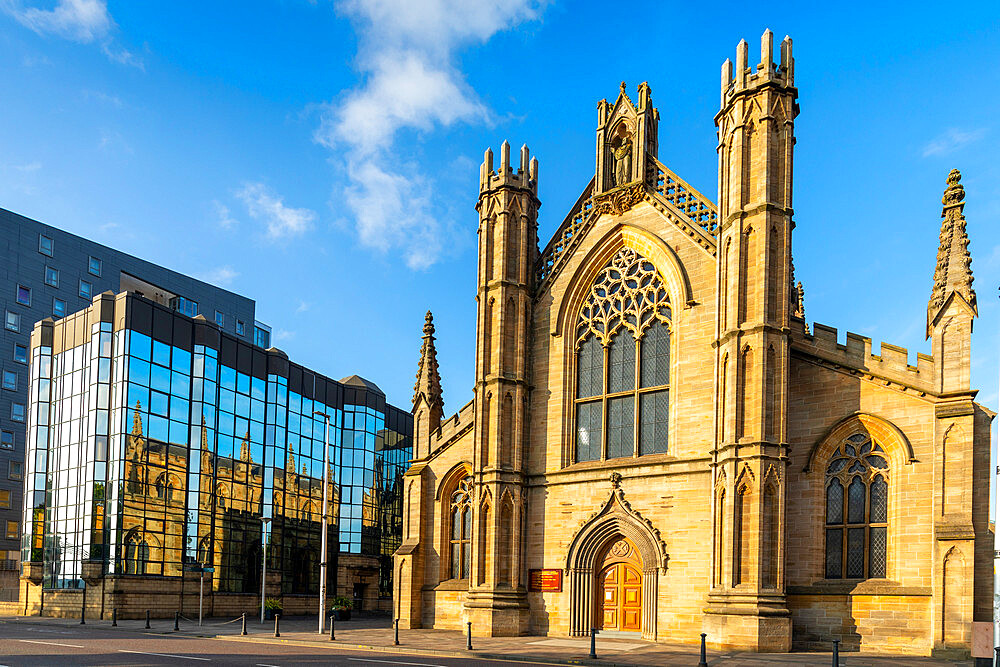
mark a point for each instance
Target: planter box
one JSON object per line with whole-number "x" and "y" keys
{"x": 270, "y": 613}
{"x": 342, "y": 614}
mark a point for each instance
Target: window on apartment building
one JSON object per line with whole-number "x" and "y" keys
{"x": 4, "y": 499}
{"x": 10, "y": 380}
{"x": 241, "y": 329}
{"x": 51, "y": 276}
{"x": 17, "y": 412}
{"x": 14, "y": 469}
{"x": 12, "y": 321}
{"x": 20, "y": 353}
{"x": 261, "y": 335}
{"x": 184, "y": 306}
{"x": 6, "y": 440}
{"x": 220, "y": 319}
{"x": 12, "y": 531}
{"x": 24, "y": 295}
{"x": 86, "y": 290}
{"x": 94, "y": 266}
{"x": 58, "y": 307}
{"x": 45, "y": 245}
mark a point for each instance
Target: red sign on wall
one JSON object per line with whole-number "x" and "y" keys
{"x": 545, "y": 581}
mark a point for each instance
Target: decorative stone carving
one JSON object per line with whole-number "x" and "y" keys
{"x": 621, "y": 200}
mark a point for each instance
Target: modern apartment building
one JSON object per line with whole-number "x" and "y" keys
{"x": 159, "y": 445}
{"x": 47, "y": 272}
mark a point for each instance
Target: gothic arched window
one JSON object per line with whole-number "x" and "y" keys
{"x": 623, "y": 362}
{"x": 857, "y": 516}
{"x": 136, "y": 553}
{"x": 461, "y": 529}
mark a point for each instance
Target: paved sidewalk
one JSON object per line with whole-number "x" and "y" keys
{"x": 376, "y": 634}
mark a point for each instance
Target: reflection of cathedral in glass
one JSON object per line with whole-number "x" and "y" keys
{"x": 166, "y": 444}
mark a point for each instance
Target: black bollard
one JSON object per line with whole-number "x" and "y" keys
{"x": 177, "y": 621}
{"x": 332, "y": 635}
{"x": 243, "y": 632}
{"x": 593, "y": 643}
{"x": 114, "y": 617}
{"x": 147, "y": 619}
{"x": 395, "y": 638}
{"x": 468, "y": 645}
{"x": 836, "y": 653}
{"x": 704, "y": 660}
{"x": 83, "y": 614}
{"x": 277, "y": 632}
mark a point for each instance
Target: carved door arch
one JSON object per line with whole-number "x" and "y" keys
{"x": 596, "y": 537}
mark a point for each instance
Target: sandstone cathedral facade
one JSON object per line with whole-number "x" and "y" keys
{"x": 659, "y": 444}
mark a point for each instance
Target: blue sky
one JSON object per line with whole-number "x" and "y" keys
{"x": 322, "y": 157}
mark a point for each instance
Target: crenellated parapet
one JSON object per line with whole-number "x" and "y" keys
{"x": 525, "y": 178}
{"x": 745, "y": 78}
{"x": 891, "y": 364}
{"x": 453, "y": 427}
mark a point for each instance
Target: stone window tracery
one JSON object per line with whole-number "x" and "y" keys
{"x": 461, "y": 529}
{"x": 857, "y": 496}
{"x": 623, "y": 362}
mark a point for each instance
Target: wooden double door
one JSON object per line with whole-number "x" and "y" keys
{"x": 621, "y": 600}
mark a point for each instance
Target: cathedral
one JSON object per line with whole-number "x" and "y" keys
{"x": 659, "y": 445}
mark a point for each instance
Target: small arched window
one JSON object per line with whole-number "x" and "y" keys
{"x": 623, "y": 362}
{"x": 136, "y": 553}
{"x": 461, "y": 529}
{"x": 857, "y": 516}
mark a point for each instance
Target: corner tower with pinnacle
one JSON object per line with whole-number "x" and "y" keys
{"x": 508, "y": 246}
{"x": 747, "y": 603}
{"x": 428, "y": 405}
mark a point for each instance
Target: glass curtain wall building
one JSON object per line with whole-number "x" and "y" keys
{"x": 157, "y": 442}
{"x": 47, "y": 272}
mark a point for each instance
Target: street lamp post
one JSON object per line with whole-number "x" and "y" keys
{"x": 263, "y": 563}
{"x": 326, "y": 485}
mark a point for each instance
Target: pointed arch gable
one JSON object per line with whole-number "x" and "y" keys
{"x": 651, "y": 247}
{"x": 451, "y": 478}
{"x": 889, "y": 435}
{"x": 616, "y": 517}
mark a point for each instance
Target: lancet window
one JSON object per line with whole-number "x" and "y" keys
{"x": 461, "y": 529}
{"x": 623, "y": 362}
{"x": 857, "y": 516}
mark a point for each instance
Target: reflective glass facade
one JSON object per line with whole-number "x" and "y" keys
{"x": 161, "y": 442}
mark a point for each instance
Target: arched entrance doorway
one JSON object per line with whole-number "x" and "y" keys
{"x": 613, "y": 568}
{"x": 620, "y": 588}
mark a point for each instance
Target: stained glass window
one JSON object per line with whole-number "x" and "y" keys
{"x": 856, "y": 534}
{"x": 461, "y": 529}
{"x": 623, "y": 335}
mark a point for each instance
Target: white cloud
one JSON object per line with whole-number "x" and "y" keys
{"x": 78, "y": 20}
{"x": 226, "y": 221}
{"x": 267, "y": 207}
{"x": 83, "y": 21}
{"x": 222, "y": 275}
{"x": 410, "y": 81}
{"x": 114, "y": 141}
{"x": 282, "y": 335}
{"x": 951, "y": 140}
{"x": 302, "y": 307}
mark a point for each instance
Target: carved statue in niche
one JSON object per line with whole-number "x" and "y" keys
{"x": 621, "y": 149}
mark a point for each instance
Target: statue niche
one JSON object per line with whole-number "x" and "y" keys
{"x": 621, "y": 153}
